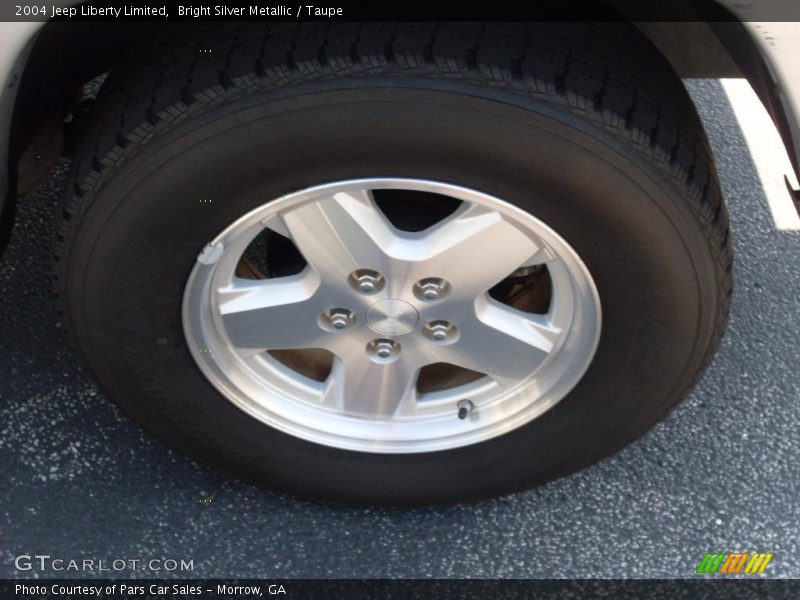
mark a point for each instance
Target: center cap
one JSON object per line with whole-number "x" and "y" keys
{"x": 392, "y": 317}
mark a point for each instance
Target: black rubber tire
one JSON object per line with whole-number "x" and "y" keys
{"x": 583, "y": 125}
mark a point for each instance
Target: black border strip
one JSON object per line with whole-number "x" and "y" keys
{"x": 400, "y": 10}
{"x": 700, "y": 588}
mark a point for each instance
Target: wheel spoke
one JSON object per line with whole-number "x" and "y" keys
{"x": 502, "y": 342}
{"x": 341, "y": 233}
{"x": 271, "y": 313}
{"x": 474, "y": 249}
{"x": 359, "y": 386}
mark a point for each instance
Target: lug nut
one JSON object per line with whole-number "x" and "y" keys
{"x": 431, "y": 288}
{"x": 366, "y": 281}
{"x": 441, "y": 332}
{"x": 337, "y": 319}
{"x": 383, "y": 350}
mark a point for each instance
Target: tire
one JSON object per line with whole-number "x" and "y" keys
{"x": 583, "y": 126}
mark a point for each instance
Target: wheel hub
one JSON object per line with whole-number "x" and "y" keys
{"x": 392, "y": 317}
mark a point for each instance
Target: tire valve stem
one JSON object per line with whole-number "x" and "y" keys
{"x": 465, "y": 407}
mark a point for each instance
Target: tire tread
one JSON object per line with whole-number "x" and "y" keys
{"x": 607, "y": 73}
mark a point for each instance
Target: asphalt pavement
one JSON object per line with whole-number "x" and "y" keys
{"x": 721, "y": 473}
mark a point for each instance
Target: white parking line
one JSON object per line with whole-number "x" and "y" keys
{"x": 767, "y": 150}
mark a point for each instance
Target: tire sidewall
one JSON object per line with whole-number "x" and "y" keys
{"x": 645, "y": 248}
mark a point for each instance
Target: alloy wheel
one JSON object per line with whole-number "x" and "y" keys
{"x": 383, "y": 307}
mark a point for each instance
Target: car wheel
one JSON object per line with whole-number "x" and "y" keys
{"x": 371, "y": 263}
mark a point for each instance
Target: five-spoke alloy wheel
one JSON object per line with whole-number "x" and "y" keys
{"x": 387, "y": 303}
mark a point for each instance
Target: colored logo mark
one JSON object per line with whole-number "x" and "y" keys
{"x": 732, "y": 563}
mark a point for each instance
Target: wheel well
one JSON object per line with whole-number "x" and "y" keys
{"x": 64, "y": 57}
{"x": 67, "y": 55}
